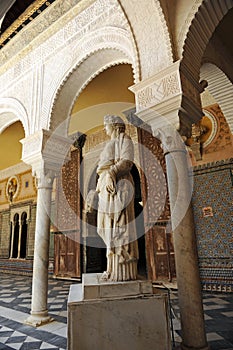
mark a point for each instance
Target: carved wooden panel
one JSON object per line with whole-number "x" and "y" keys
{"x": 153, "y": 179}
{"x": 160, "y": 254}
{"x": 67, "y": 256}
{"x": 68, "y": 199}
{"x": 68, "y": 220}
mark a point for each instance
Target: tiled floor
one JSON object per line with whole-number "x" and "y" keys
{"x": 15, "y": 298}
{"x": 218, "y": 313}
{"x": 15, "y": 303}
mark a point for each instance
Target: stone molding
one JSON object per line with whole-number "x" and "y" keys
{"x": 45, "y": 152}
{"x": 14, "y": 170}
{"x": 185, "y": 27}
{"x": 11, "y": 110}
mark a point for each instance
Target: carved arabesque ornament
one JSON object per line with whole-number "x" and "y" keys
{"x": 153, "y": 177}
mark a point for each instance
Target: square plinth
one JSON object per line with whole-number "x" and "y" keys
{"x": 117, "y": 315}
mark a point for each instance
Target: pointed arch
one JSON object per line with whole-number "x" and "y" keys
{"x": 11, "y": 110}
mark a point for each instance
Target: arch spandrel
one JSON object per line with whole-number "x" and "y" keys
{"x": 96, "y": 52}
{"x": 150, "y": 30}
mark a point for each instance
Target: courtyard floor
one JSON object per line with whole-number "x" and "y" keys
{"x": 15, "y": 303}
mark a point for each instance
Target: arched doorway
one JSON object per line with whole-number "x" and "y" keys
{"x": 23, "y": 241}
{"x": 15, "y": 237}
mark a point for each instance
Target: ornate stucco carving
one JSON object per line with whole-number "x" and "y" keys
{"x": 153, "y": 41}
{"x": 185, "y": 27}
{"x": 53, "y": 55}
{"x": 158, "y": 88}
{"x": 76, "y": 82}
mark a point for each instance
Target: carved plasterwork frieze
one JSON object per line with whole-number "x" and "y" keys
{"x": 171, "y": 85}
{"x": 158, "y": 89}
{"x": 153, "y": 178}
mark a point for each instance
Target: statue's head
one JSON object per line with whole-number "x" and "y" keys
{"x": 115, "y": 121}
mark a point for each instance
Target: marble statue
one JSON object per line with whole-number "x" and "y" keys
{"x": 115, "y": 215}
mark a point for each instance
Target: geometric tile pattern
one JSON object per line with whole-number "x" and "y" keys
{"x": 213, "y": 189}
{"x": 15, "y": 296}
{"x": 218, "y": 313}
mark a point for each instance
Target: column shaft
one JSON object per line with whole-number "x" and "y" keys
{"x": 39, "y": 311}
{"x": 187, "y": 270}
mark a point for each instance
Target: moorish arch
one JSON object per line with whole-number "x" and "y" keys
{"x": 220, "y": 88}
{"x": 77, "y": 79}
{"x": 152, "y": 38}
{"x": 208, "y": 17}
{"x": 12, "y": 110}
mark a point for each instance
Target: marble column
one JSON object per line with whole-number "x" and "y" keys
{"x": 188, "y": 280}
{"x": 39, "y": 310}
{"x": 46, "y": 152}
{"x": 20, "y": 234}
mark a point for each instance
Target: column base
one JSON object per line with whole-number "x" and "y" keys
{"x": 38, "y": 319}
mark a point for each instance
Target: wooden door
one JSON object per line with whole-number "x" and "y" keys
{"x": 67, "y": 256}
{"x": 160, "y": 254}
{"x": 67, "y": 239}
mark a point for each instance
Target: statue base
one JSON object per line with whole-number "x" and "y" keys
{"x": 116, "y": 315}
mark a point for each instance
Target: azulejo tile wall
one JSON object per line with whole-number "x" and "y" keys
{"x": 213, "y": 212}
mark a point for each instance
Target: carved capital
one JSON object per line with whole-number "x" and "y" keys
{"x": 170, "y": 139}
{"x": 45, "y": 152}
{"x": 44, "y": 179}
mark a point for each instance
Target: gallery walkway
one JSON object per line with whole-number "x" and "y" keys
{"x": 15, "y": 292}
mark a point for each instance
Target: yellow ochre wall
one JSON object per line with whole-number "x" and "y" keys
{"x": 10, "y": 147}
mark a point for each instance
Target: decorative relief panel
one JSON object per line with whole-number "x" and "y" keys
{"x": 68, "y": 201}
{"x": 153, "y": 179}
{"x": 17, "y": 188}
{"x": 157, "y": 89}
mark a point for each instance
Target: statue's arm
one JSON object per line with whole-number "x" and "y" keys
{"x": 124, "y": 164}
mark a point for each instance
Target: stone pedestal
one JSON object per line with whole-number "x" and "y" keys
{"x": 117, "y": 315}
